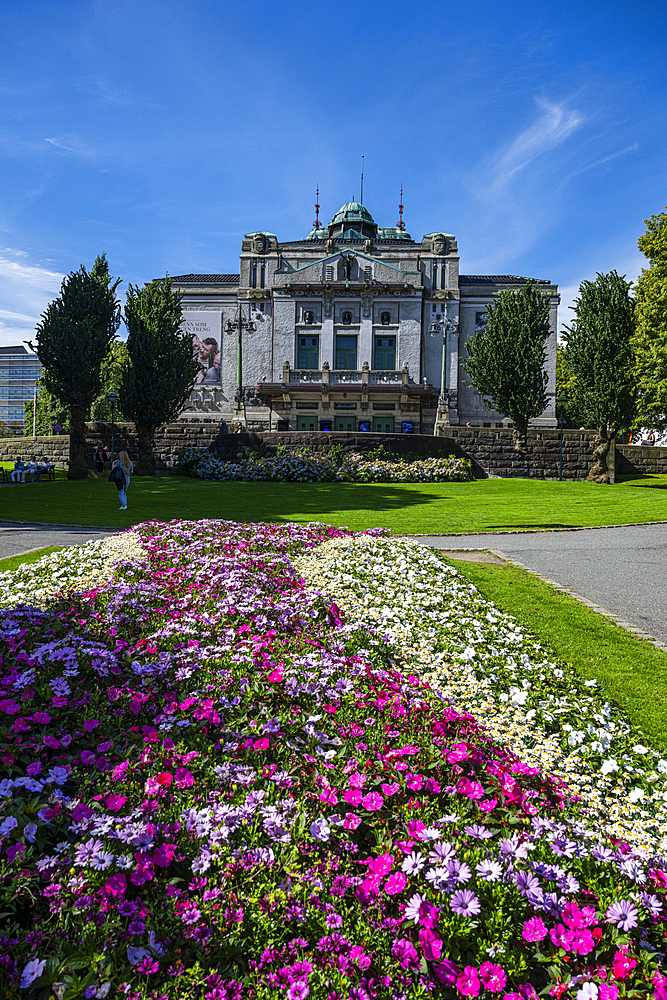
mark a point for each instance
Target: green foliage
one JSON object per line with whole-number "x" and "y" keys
{"x": 111, "y": 372}
{"x": 73, "y": 338}
{"x": 599, "y": 354}
{"x": 159, "y": 371}
{"x": 650, "y": 340}
{"x": 565, "y": 386}
{"x": 506, "y": 358}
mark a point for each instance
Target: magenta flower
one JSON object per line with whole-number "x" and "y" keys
{"x": 372, "y": 802}
{"x": 116, "y": 802}
{"x": 382, "y": 864}
{"x": 493, "y": 977}
{"x": 91, "y": 724}
{"x": 390, "y": 789}
{"x": 446, "y": 972}
{"x": 405, "y": 953}
{"x": 534, "y": 929}
{"x": 431, "y": 944}
{"x": 351, "y": 821}
{"x": 467, "y": 982}
{"x": 34, "y": 768}
{"x": 353, "y": 796}
{"x": 395, "y": 883}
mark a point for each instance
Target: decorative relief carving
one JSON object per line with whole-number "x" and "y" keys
{"x": 366, "y": 301}
{"x": 328, "y": 302}
{"x": 440, "y": 244}
{"x": 259, "y": 243}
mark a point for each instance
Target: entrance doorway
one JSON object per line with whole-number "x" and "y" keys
{"x": 383, "y": 425}
{"x": 345, "y": 423}
{"x": 308, "y": 423}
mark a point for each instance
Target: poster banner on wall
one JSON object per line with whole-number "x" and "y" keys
{"x": 205, "y": 330}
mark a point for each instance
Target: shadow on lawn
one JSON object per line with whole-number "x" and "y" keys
{"x": 305, "y": 499}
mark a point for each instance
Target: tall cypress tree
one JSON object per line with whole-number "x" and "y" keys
{"x": 650, "y": 338}
{"x": 73, "y": 338}
{"x": 600, "y": 357}
{"x": 160, "y": 369}
{"x": 506, "y": 358}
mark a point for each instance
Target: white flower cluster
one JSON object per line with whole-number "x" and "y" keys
{"x": 481, "y": 659}
{"x": 78, "y": 568}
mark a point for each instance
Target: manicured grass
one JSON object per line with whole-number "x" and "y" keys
{"x": 12, "y": 562}
{"x": 417, "y": 508}
{"x": 630, "y": 670}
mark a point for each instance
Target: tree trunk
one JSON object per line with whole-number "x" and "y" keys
{"x": 599, "y": 472}
{"x": 520, "y": 434}
{"x": 78, "y": 467}
{"x": 145, "y": 446}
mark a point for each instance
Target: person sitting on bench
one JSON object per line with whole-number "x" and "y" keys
{"x": 46, "y": 467}
{"x": 18, "y": 475}
{"x": 32, "y": 469}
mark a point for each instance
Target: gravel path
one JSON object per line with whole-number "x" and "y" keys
{"x": 622, "y": 572}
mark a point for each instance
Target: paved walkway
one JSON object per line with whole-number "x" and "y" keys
{"x": 17, "y": 537}
{"x": 622, "y": 572}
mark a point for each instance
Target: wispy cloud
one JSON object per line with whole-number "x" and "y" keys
{"x": 554, "y": 126}
{"x": 25, "y": 291}
{"x": 70, "y": 144}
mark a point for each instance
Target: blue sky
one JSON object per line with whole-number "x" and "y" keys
{"x": 160, "y": 133}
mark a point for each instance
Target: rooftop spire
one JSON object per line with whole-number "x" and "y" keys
{"x": 316, "y": 223}
{"x": 400, "y": 224}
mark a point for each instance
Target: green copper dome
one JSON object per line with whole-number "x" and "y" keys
{"x": 352, "y": 212}
{"x": 353, "y": 222}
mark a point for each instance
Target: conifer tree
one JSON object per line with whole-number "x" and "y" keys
{"x": 650, "y": 339}
{"x": 506, "y": 358}
{"x": 159, "y": 371}
{"x": 600, "y": 358}
{"x": 73, "y": 338}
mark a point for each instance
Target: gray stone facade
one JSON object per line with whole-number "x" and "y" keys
{"x": 350, "y": 328}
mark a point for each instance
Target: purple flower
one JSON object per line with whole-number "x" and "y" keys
{"x": 320, "y": 829}
{"x": 624, "y": 914}
{"x": 412, "y": 907}
{"x": 489, "y": 870}
{"x": 465, "y": 903}
{"x": 31, "y": 972}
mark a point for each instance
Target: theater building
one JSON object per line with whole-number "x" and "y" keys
{"x": 353, "y": 327}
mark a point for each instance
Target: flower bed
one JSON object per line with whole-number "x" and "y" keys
{"x": 220, "y": 785}
{"x": 309, "y": 467}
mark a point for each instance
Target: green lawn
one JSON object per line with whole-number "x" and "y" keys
{"x": 428, "y": 508}
{"x": 630, "y": 670}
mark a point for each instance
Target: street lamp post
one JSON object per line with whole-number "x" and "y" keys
{"x": 562, "y": 400}
{"x": 436, "y": 328}
{"x": 113, "y": 399}
{"x": 240, "y": 325}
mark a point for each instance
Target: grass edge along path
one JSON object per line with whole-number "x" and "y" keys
{"x": 631, "y": 670}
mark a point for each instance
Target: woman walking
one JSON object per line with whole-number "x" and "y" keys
{"x": 125, "y": 465}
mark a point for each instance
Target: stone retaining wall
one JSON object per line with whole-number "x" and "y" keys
{"x": 490, "y": 449}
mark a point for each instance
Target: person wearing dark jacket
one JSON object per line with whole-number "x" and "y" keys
{"x": 100, "y": 458}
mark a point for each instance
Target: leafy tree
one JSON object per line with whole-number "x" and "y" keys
{"x": 159, "y": 371}
{"x": 565, "y": 383}
{"x": 650, "y": 340}
{"x": 73, "y": 338}
{"x": 51, "y": 411}
{"x": 506, "y": 358}
{"x": 600, "y": 357}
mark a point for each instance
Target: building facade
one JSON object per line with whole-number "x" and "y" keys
{"x": 19, "y": 371}
{"x": 353, "y": 327}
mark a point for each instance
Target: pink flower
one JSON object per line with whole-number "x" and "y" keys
{"x": 610, "y": 992}
{"x": 459, "y": 751}
{"x": 58, "y": 701}
{"x": 51, "y": 742}
{"x": 414, "y": 782}
{"x": 356, "y": 780}
{"x": 353, "y": 796}
{"x": 623, "y": 965}
{"x": 467, "y": 982}
{"x": 561, "y": 937}
{"x": 183, "y": 778}
{"x": 91, "y": 724}
{"x": 359, "y": 957}
{"x": 572, "y": 916}
{"x": 390, "y": 789}
{"x": 34, "y": 768}
{"x": 276, "y": 675}
{"x": 395, "y": 883}
{"x": 428, "y": 914}
{"x": 404, "y": 952}
{"x": 582, "y": 941}
{"x": 116, "y": 802}
{"x": 372, "y": 802}
{"x": 382, "y": 864}
{"x": 493, "y": 977}
{"x": 119, "y": 770}
{"x": 42, "y": 717}
{"x": 431, "y": 944}
{"x": 115, "y": 885}
{"x": 433, "y": 786}
{"x": 351, "y": 821}
{"x": 262, "y": 744}
{"x": 534, "y": 929}
{"x": 446, "y": 972}
{"x": 103, "y": 747}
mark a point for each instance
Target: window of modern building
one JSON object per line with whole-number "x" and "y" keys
{"x": 346, "y": 352}
{"x": 384, "y": 353}
{"x": 308, "y": 352}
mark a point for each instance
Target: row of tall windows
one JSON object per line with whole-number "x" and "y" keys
{"x": 346, "y": 352}
{"x": 439, "y": 265}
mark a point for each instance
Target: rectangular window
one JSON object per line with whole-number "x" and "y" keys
{"x": 345, "y": 406}
{"x": 435, "y": 274}
{"x": 253, "y": 274}
{"x": 263, "y": 275}
{"x": 328, "y": 272}
{"x": 384, "y": 406}
{"x": 306, "y": 406}
{"x": 368, "y": 273}
{"x": 443, "y": 275}
{"x": 384, "y": 354}
{"x": 308, "y": 352}
{"x": 346, "y": 352}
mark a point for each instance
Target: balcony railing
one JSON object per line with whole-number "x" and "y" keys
{"x": 300, "y": 376}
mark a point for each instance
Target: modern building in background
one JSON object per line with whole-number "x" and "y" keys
{"x": 355, "y": 326}
{"x": 19, "y": 371}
